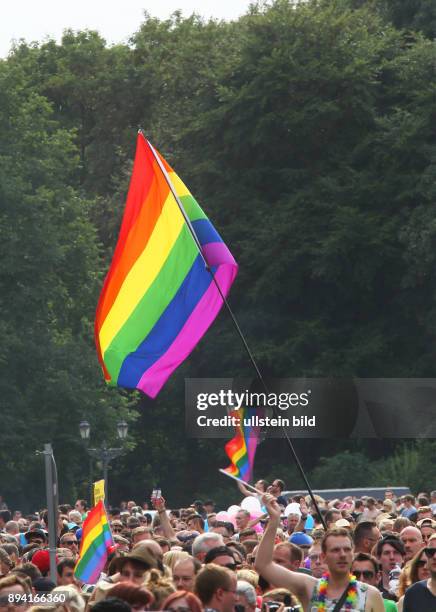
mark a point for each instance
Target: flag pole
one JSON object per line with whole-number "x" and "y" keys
{"x": 200, "y": 250}
{"x": 246, "y": 484}
{"x": 235, "y": 322}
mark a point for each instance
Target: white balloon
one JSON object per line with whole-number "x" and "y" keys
{"x": 251, "y": 504}
{"x": 233, "y": 510}
{"x": 293, "y": 508}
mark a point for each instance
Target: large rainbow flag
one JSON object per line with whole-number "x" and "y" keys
{"x": 242, "y": 448}
{"x": 94, "y": 546}
{"x": 158, "y": 299}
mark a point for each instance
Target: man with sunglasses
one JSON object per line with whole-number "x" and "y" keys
{"x": 116, "y": 526}
{"x": 223, "y": 556}
{"x": 365, "y": 568}
{"x": 69, "y": 540}
{"x": 427, "y": 527}
{"x": 422, "y": 595}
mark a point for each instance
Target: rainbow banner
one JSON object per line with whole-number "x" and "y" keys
{"x": 94, "y": 546}
{"x": 158, "y": 299}
{"x": 242, "y": 448}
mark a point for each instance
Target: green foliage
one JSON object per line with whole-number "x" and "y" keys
{"x": 410, "y": 464}
{"x": 344, "y": 470}
{"x": 48, "y": 288}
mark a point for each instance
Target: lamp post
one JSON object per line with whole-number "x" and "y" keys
{"x": 103, "y": 453}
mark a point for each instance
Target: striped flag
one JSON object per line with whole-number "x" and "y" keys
{"x": 94, "y": 546}
{"x": 242, "y": 448}
{"x": 158, "y": 299}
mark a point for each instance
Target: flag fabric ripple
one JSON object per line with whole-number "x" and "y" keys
{"x": 95, "y": 545}
{"x": 158, "y": 299}
{"x": 242, "y": 448}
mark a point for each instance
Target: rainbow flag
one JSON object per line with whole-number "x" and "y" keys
{"x": 94, "y": 546}
{"x": 242, "y": 448}
{"x": 158, "y": 299}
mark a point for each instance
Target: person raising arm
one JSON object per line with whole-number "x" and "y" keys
{"x": 301, "y": 585}
{"x": 336, "y": 589}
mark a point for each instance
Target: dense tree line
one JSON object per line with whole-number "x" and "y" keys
{"x": 306, "y": 131}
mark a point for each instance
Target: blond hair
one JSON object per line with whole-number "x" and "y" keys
{"x": 160, "y": 586}
{"x": 171, "y": 557}
{"x": 249, "y": 576}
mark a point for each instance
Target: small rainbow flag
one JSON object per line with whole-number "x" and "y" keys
{"x": 242, "y": 448}
{"x": 94, "y": 547}
{"x": 158, "y": 299}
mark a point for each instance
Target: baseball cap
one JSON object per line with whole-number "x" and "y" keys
{"x": 42, "y": 560}
{"x": 301, "y": 539}
{"x": 39, "y": 533}
{"x": 426, "y": 522}
{"x": 141, "y": 554}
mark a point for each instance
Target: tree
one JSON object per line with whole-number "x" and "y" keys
{"x": 48, "y": 283}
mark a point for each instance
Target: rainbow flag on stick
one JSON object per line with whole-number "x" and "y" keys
{"x": 242, "y": 448}
{"x": 94, "y": 546}
{"x": 159, "y": 299}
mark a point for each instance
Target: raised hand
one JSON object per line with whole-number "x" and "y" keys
{"x": 270, "y": 503}
{"x": 158, "y": 503}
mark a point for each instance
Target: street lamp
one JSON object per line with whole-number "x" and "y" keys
{"x": 103, "y": 453}
{"x": 85, "y": 430}
{"x": 122, "y": 429}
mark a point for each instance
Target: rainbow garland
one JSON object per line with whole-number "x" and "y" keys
{"x": 350, "y": 602}
{"x": 158, "y": 299}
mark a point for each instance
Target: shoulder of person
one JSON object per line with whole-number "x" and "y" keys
{"x": 411, "y": 590}
{"x": 373, "y": 592}
{"x": 416, "y": 586}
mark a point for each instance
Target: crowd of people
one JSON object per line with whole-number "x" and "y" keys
{"x": 345, "y": 554}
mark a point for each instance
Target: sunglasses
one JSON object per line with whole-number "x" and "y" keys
{"x": 430, "y": 551}
{"x": 367, "y": 574}
{"x": 231, "y": 566}
{"x": 70, "y": 542}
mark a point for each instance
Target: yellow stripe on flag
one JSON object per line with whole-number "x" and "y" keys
{"x": 144, "y": 271}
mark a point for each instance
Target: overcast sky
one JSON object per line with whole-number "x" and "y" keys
{"x": 33, "y": 20}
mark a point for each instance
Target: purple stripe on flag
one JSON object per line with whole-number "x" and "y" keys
{"x": 216, "y": 254}
{"x": 195, "y": 327}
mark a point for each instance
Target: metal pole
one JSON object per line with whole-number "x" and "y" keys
{"x": 200, "y": 250}
{"x": 51, "y": 492}
{"x": 91, "y": 484}
{"x": 235, "y": 323}
{"x": 105, "y": 459}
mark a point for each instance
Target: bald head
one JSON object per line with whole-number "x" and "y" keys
{"x": 412, "y": 541}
